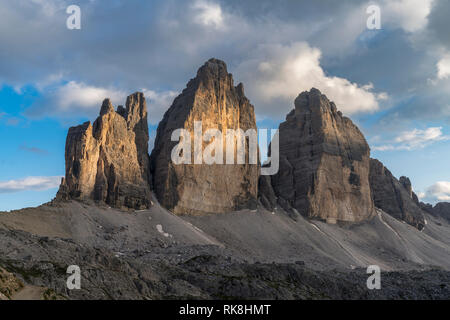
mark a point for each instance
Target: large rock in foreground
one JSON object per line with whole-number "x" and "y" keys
{"x": 108, "y": 161}
{"x": 395, "y": 196}
{"x": 324, "y": 163}
{"x": 212, "y": 98}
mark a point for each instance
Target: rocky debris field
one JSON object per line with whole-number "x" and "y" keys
{"x": 153, "y": 254}
{"x": 196, "y": 273}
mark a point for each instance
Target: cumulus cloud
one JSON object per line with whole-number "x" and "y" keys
{"x": 410, "y": 15}
{"x": 161, "y": 45}
{"x": 415, "y": 139}
{"x": 158, "y": 103}
{"x": 30, "y": 183}
{"x": 208, "y": 13}
{"x": 443, "y": 67}
{"x": 440, "y": 191}
{"x": 80, "y": 95}
{"x": 80, "y": 99}
{"x": 74, "y": 98}
{"x": 278, "y": 73}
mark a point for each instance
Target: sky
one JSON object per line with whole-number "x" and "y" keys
{"x": 392, "y": 81}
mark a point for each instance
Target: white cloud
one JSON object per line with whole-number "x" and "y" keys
{"x": 386, "y": 147}
{"x": 30, "y": 183}
{"x": 440, "y": 191}
{"x": 79, "y": 99}
{"x": 79, "y": 95}
{"x": 158, "y": 103}
{"x": 73, "y": 99}
{"x": 421, "y": 195}
{"x": 279, "y": 73}
{"x": 443, "y": 67}
{"x": 410, "y": 15}
{"x": 208, "y": 13}
{"x": 415, "y": 139}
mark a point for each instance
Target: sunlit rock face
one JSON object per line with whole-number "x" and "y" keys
{"x": 108, "y": 161}
{"x": 324, "y": 163}
{"x": 211, "y": 98}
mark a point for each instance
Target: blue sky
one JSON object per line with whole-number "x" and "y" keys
{"x": 394, "y": 83}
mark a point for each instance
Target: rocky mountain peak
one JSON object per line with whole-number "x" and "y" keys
{"x": 213, "y": 68}
{"x": 324, "y": 163}
{"x": 106, "y": 107}
{"x": 108, "y": 161}
{"x": 211, "y": 98}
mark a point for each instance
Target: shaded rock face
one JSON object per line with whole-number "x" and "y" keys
{"x": 266, "y": 194}
{"x": 212, "y": 98}
{"x": 406, "y": 183}
{"x": 108, "y": 160}
{"x": 324, "y": 163}
{"x": 395, "y": 196}
{"x": 441, "y": 209}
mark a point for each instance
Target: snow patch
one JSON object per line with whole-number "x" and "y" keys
{"x": 160, "y": 230}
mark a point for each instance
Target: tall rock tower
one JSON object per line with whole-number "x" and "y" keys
{"x": 211, "y": 98}
{"x": 324, "y": 163}
{"x": 108, "y": 161}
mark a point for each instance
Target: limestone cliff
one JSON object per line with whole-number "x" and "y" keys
{"x": 395, "y": 196}
{"x": 324, "y": 163}
{"x": 212, "y": 98}
{"x": 108, "y": 160}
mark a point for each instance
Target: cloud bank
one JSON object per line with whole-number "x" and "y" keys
{"x": 277, "y": 74}
{"x": 415, "y": 139}
{"x": 30, "y": 183}
{"x": 438, "y": 192}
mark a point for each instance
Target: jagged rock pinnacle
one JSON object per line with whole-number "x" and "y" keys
{"x": 108, "y": 161}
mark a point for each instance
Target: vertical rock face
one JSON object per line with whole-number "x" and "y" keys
{"x": 212, "y": 98}
{"x": 406, "y": 183}
{"x": 324, "y": 163}
{"x": 108, "y": 161}
{"x": 395, "y": 196}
